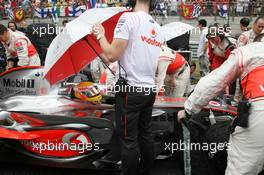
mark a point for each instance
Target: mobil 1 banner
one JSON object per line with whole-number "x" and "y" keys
{"x": 23, "y": 81}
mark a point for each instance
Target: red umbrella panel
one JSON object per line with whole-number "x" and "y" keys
{"x": 81, "y": 53}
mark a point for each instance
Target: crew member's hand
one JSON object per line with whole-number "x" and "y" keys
{"x": 181, "y": 115}
{"x": 98, "y": 30}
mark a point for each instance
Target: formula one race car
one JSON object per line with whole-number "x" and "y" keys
{"x": 48, "y": 126}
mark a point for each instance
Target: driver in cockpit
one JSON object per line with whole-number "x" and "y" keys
{"x": 87, "y": 91}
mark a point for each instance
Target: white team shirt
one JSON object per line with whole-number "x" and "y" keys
{"x": 145, "y": 38}
{"x": 202, "y": 42}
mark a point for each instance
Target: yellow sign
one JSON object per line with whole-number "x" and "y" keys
{"x": 19, "y": 15}
{"x": 186, "y": 11}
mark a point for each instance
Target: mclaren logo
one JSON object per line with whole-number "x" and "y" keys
{"x": 68, "y": 138}
{"x": 19, "y": 83}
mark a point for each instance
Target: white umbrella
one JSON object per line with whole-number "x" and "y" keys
{"x": 82, "y": 25}
{"x": 175, "y": 29}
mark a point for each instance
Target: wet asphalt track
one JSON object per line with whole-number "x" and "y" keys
{"x": 162, "y": 167}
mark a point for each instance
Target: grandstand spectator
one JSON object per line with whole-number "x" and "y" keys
{"x": 13, "y": 4}
{"x": 2, "y": 10}
{"x": 162, "y": 8}
{"x": 239, "y": 7}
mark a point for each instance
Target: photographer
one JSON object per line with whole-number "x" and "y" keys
{"x": 136, "y": 44}
{"x": 247, "y": 143}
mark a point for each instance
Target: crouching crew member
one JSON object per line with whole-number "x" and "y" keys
{"x": 173, "y": 72}
{"x": 246, "y": 153}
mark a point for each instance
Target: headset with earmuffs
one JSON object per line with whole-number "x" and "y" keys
{"x": 152, "y": 5}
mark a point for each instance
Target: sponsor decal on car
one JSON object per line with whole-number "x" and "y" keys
{"x": 214, "y": 103}
{"x": 19, "y": 83}
{"x": 60, "y": 143}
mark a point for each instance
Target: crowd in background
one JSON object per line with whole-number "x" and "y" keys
{"x": 164, "y": 7}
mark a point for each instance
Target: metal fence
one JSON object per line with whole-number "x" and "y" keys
{"x": 210, "y": 8}
{"x": 171, "y": 8}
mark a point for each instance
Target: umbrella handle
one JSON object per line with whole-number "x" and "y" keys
{"x": 99, "y": 55}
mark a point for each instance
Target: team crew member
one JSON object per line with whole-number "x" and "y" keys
{"x": 248, "y": 36}
{"x": 18, "y": 46}
{"x": 136, "y": 44}
{"x": 202, "y": 48}
{"x": 177, "y": 78}
{"x": 173, "y": 72}
{"x": 219, "y": 46}
{"x": 246, "y": 155}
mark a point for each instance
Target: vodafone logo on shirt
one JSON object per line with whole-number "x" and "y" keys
{"x": 151, "y": 40}
{"x": 153, "y": 33}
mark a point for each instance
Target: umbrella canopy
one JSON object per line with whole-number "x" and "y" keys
{"x": 76, "y": 47}
{"x": 175, "y": 29}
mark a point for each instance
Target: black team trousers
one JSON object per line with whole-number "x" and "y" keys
{"x": 133, "y": 124}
